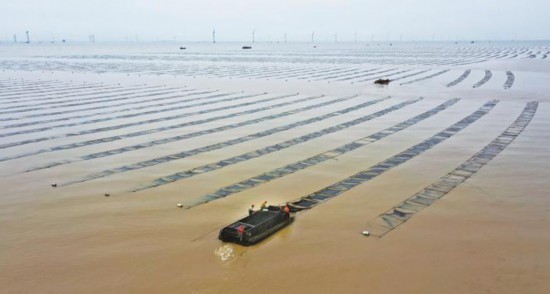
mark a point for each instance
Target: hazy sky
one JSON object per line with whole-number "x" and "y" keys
{"x": 234, "y": 20}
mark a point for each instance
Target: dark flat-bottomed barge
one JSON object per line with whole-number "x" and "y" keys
{"x": 255, "y": 227}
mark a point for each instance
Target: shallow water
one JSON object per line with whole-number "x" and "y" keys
{"x": 63, "y": 104}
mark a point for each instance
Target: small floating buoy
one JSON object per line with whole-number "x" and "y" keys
{"x": 180, "y": 205}
{"x": 366, "y": 233}
{"x": 107, "y": 194}
{"x": 54, "y": 185}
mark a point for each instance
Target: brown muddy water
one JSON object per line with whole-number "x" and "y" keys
{"x": 153, "y": 127}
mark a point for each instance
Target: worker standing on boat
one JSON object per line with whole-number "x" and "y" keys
{"x": 240, "y": 230}
{"x": 264, "y": 205}
{"x": 251, "y": 210}
{"x": 287, "y": 209}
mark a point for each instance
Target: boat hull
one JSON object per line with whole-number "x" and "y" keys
{"x": 257, "y": 227}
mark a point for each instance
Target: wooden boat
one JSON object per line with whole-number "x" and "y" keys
{"x": 256, "y": 226}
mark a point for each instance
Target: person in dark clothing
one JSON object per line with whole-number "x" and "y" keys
{"x": 251, "y": 210}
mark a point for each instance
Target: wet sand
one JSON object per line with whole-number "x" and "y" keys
{"x": 487, "y": 235}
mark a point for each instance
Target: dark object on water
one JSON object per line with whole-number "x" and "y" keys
{"x": 247, "y": 47}
{"x": 107, "y": 194}
{"x": 54, "y": 185}
{"x": 382, "y": 81}
{"x": 257, "y": 227}
{"x": 183, "y": 48}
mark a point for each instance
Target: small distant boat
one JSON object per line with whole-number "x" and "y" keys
{"x": 247, "y": 47}
{"x": 382, "y": 81}
{"x": 256, "y": 227}
{"x": 183, "y": 48}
